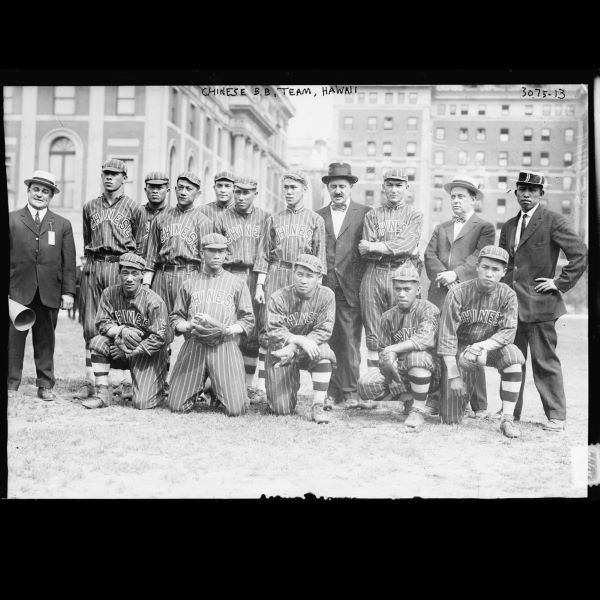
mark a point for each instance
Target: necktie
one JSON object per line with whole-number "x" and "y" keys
{"x": 523, "y": 225}
{"x": 335, "y": 206}
{"x": 37, "y": 220}
{"x": 459, "y": 220}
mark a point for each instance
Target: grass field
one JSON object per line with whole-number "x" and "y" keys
{"x": 61, "y": 450}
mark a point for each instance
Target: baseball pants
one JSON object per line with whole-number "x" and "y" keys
{"x": 223, "y": 364}
{"x": 96, "y": 276}
{"x": 283, "y": 383}
{"x": 148, "y": 373}
{"x": 452, "y": 409}
{"x": 168, "y": 283}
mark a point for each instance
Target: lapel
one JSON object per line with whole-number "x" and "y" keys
{"x": 473, "y": 219}
{"x": 531, "y": 226}
{"x": 448, "y": 229}
{"x": 47, "y": 223}
{"x": 347, "y": 217}
{"x": 326, "y": 214}
{"x": 28, "y": 221}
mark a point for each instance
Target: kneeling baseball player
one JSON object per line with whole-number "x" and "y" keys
{"x": 211, "y": 310}
{"x": 300, "y": 320}
{"x": 408, "y": 366}
{"x": 477, "y": 326}
{"x": 133, "y": 334}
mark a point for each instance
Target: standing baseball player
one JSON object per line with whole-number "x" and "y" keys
{"x": 408, "y": 364}
{"x": 157, "y": 190}
{"x": 391, "y": 235}
{"x": 133, "y": 333}
{"x": 241, "y": 225}
{"x": 212, "y": 309}
{"x": 113, "y": 224}
{"x": 300, "y": 320}
{"x": 477, "y": 326}
{"x": 224, "y": 192}
{"x": 287, "y": 234}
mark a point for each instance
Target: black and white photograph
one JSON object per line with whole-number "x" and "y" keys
{"x": 252, "y": 290}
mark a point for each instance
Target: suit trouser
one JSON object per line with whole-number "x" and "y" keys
{"x": 345, "y": 343}
{"x": 43, "y": 346}
{"x": 547, "y": 372}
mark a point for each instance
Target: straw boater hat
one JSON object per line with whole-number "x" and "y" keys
{"x": 467, "y": 182}
{"x": 43, "y": 178}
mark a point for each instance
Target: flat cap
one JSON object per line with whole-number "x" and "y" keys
{"x": 406, "y": 272}
{"x": 310, "y": 262}
{"x": 224, "y": 175}
{"x": 156, "y": 177}
{"x": 116, "y": 165}
{"x": 246, "y": 183}
{"x": 129, "y": 259}
{"x": 214, "y": 240}
{"x": 398, "y": 174}
{"x": 297, "y": 176}
{"x": 191, "y": 177}
{"x": 494, "y": 252}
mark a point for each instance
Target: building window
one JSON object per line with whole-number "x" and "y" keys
{"x": 502, "y": 179}
{"x": 453, "y": 109}
{"x": 567, "y": 183}
{"x": 388, "y": 123}
{"x": 501, "y": 206}
{"x": 566, "y": 208}
{"x": 371, "y": 148}
{"x": 438, "y": 204}
{"x": 208, "y": 133}
{"x": 504, "y": 135}
{"x": 389, "y": 97}
{"x": 545, "y": 135}
{"x": 481, "y": 109}
{"x": 464, "y": 109}
{"x": 347, "y": 148}
{"x": 557, "y": 110}
{"x": 529, "y": 109}
{"x": 505, "y": 109}
{"x": 412, "y": 98}
{"x": 410, "y": 173}
{"x": 568, "y": 159}
{"x": 174, "y": 106}
{"x": 463, "y": 134}
{"x": 361, "y": 97}
{"x": 569, "y": 135}
{"x": 372, "y": 123}
{"x": 370, "y": 172}
{"x": 64, "y": 100}
{"x": 526, "y": 159}
{"x": 480, "y": 157}
{"x": 440, "y": 133}
{"x": 441, "y": 109}
{"x": 191, "y": 164}
{"x": 412, "y": 123}
{"x": 62, "y": 165}
{"x": 503, "y": 159}
{"x": 569, "y": 110}
{"x": 527, "y": 135}
{"x": 401, "y": 96}
{"x": 546, "y": 110}
{"x": 411, "y": 148}
{"x": 544, "y": 159}
{"x": 126, "y": 99}
{"x": 387, "y": 148}
{"x": 193, "y": 120}
{"x": 369, "y": 197}
{"x": 349, "y": 99}
{"x": 462, "y": 158}
{"x": 438, "y": 158}
{"x": 8, "y": 98}
{"x": 348, "y": 122}
{"x": 480, "y": 134}
{"x": 438, "y": 181}
{"x": 373, "y": 97}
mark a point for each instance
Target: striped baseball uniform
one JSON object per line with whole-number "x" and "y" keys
{"x": 399, "y": 227}
{"x": 109, "y": 230}
{"x": 419, "y": 325}
{"x": 290, "y": 314}
{"x": 148, "y": 313}
{"x": 471, "y": 314}
{"x": 213, "y": 209}
{"x": 226, "y": 298}
{"x": 151, "y": 214}
{"x": 242, "y": 231}
{"x": 173, "y": 251}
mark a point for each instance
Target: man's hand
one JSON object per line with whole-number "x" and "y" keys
{"x": 310, "y": 347}
{"x": 364, "y": 246}
{"x": 547, "y": 285}
{"x": 117, "y": 352}
{"x": 285, "y": 354}
{"x": 259, "y": 296}
{"x": 131, "y": 336}
{"x": 66, "y": 302}
{"x": 388, "y": 365}
{"x": 457, "y": 385}
{"x": 446, "y": 277}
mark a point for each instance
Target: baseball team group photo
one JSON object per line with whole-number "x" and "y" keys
{"x": 246, "y": 297}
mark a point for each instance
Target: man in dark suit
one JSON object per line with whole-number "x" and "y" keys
{"x": 451, "y": 258}
{"x": 42, "y": 277}
{"x": 533, "y": 239}
{"x": 343, "y": 228}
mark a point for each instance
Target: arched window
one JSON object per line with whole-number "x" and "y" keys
{"x": 191, "y": 163}
{"x": 62, "y": 165}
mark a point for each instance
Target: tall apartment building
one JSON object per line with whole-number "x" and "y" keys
{"x": 488, "y": 131}
{"x": 72, "y": 130}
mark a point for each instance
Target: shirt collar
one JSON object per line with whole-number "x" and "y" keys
{"x": 115, "y": 200}
{"x": 295, "y": 210}
{"x": 150, "y": 208}
{"x": 347, "y": 204}
{"x": 34, "y": 210}
{"x": 531, "y": 211}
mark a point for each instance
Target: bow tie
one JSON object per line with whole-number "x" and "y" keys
{"x": 459, "y": 220}
{"x": 341, "y": 206}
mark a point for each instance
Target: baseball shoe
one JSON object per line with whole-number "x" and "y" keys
{"x": 509, "y": 429}
{"x": 100, "y": 400}
{"x": 46, "y": 394}
{"x": 350, "y": 403}
{"x": 318, "y": 415}
{"x": 367, "y": 404}
{"x": 256, "y": 395}
{"x": 554, "y": 425}
{"x": 329, "y": 403}
{"x": 87, "y": 390}
{"x": 414, "y": 420}
{"x": 480, "y": 414}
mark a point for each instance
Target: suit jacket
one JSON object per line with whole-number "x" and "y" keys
{"x": 344, "y": 263}
{"x": 444, "y": 253}
{"x": 36, "y": 264}
{"x": 545, "y": 235}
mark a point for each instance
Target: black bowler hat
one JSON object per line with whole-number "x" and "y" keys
{"x": 339, "y": 170}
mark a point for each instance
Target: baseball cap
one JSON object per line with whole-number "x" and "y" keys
{"x": 398, "y": 174}
{"x": 191, "y": 177}
{"x": 246, "y": 183}
{"x": 156, "y": 177}
{"x": 310, "y": 262}
{"x": 129, "y": 259}
{"x": 297, "y": 176}
{"x": 224, "y": 175}
{"x": 494, "y": 252}
{"x": 406, "y": 272}
{"x": 115, "y": 165}
{"x": 214, "y": 240}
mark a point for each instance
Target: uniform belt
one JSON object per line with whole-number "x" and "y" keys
{"x": 283, "y": 263}
{"x": 105, "y": 257}
{"x": 387, "y": 265}
{"x": 189, "y": 267}
{"x": 238, "y": 267}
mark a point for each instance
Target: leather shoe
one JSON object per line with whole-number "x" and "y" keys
{"x": 480, "y": 414}
{"x": 414, "y": 420}
{"x": 318, "y": 415}
{"x": 554, "y": 425}
{"x": 367, "y": 404}
{"x": 87, "y": 390}
{"x": 46, "y": 394}
{"x": 350, "y": 403}
{"x": 93, "y": 402}
{"x": 509, "y": 429}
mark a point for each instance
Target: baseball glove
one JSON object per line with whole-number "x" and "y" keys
{"x": 131, "y": 340}
{"x": 388, "y": 366}
{"x": 472, "y": 358}
{"x": 207, "y": 330}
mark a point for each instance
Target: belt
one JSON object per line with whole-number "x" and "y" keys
{"x": 283, "y": 263}
{"x": 238, "y": 267}
{"x": 387, "y": 266}
{"x": 189, "y": 267}
{"x": 105, "y": 257}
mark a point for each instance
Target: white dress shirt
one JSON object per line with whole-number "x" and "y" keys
{"x": 520, "y": 221}
{"x": 33, "y": 211}
{"x": 458, "y": 226}
{"x": 337, "y": 216}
